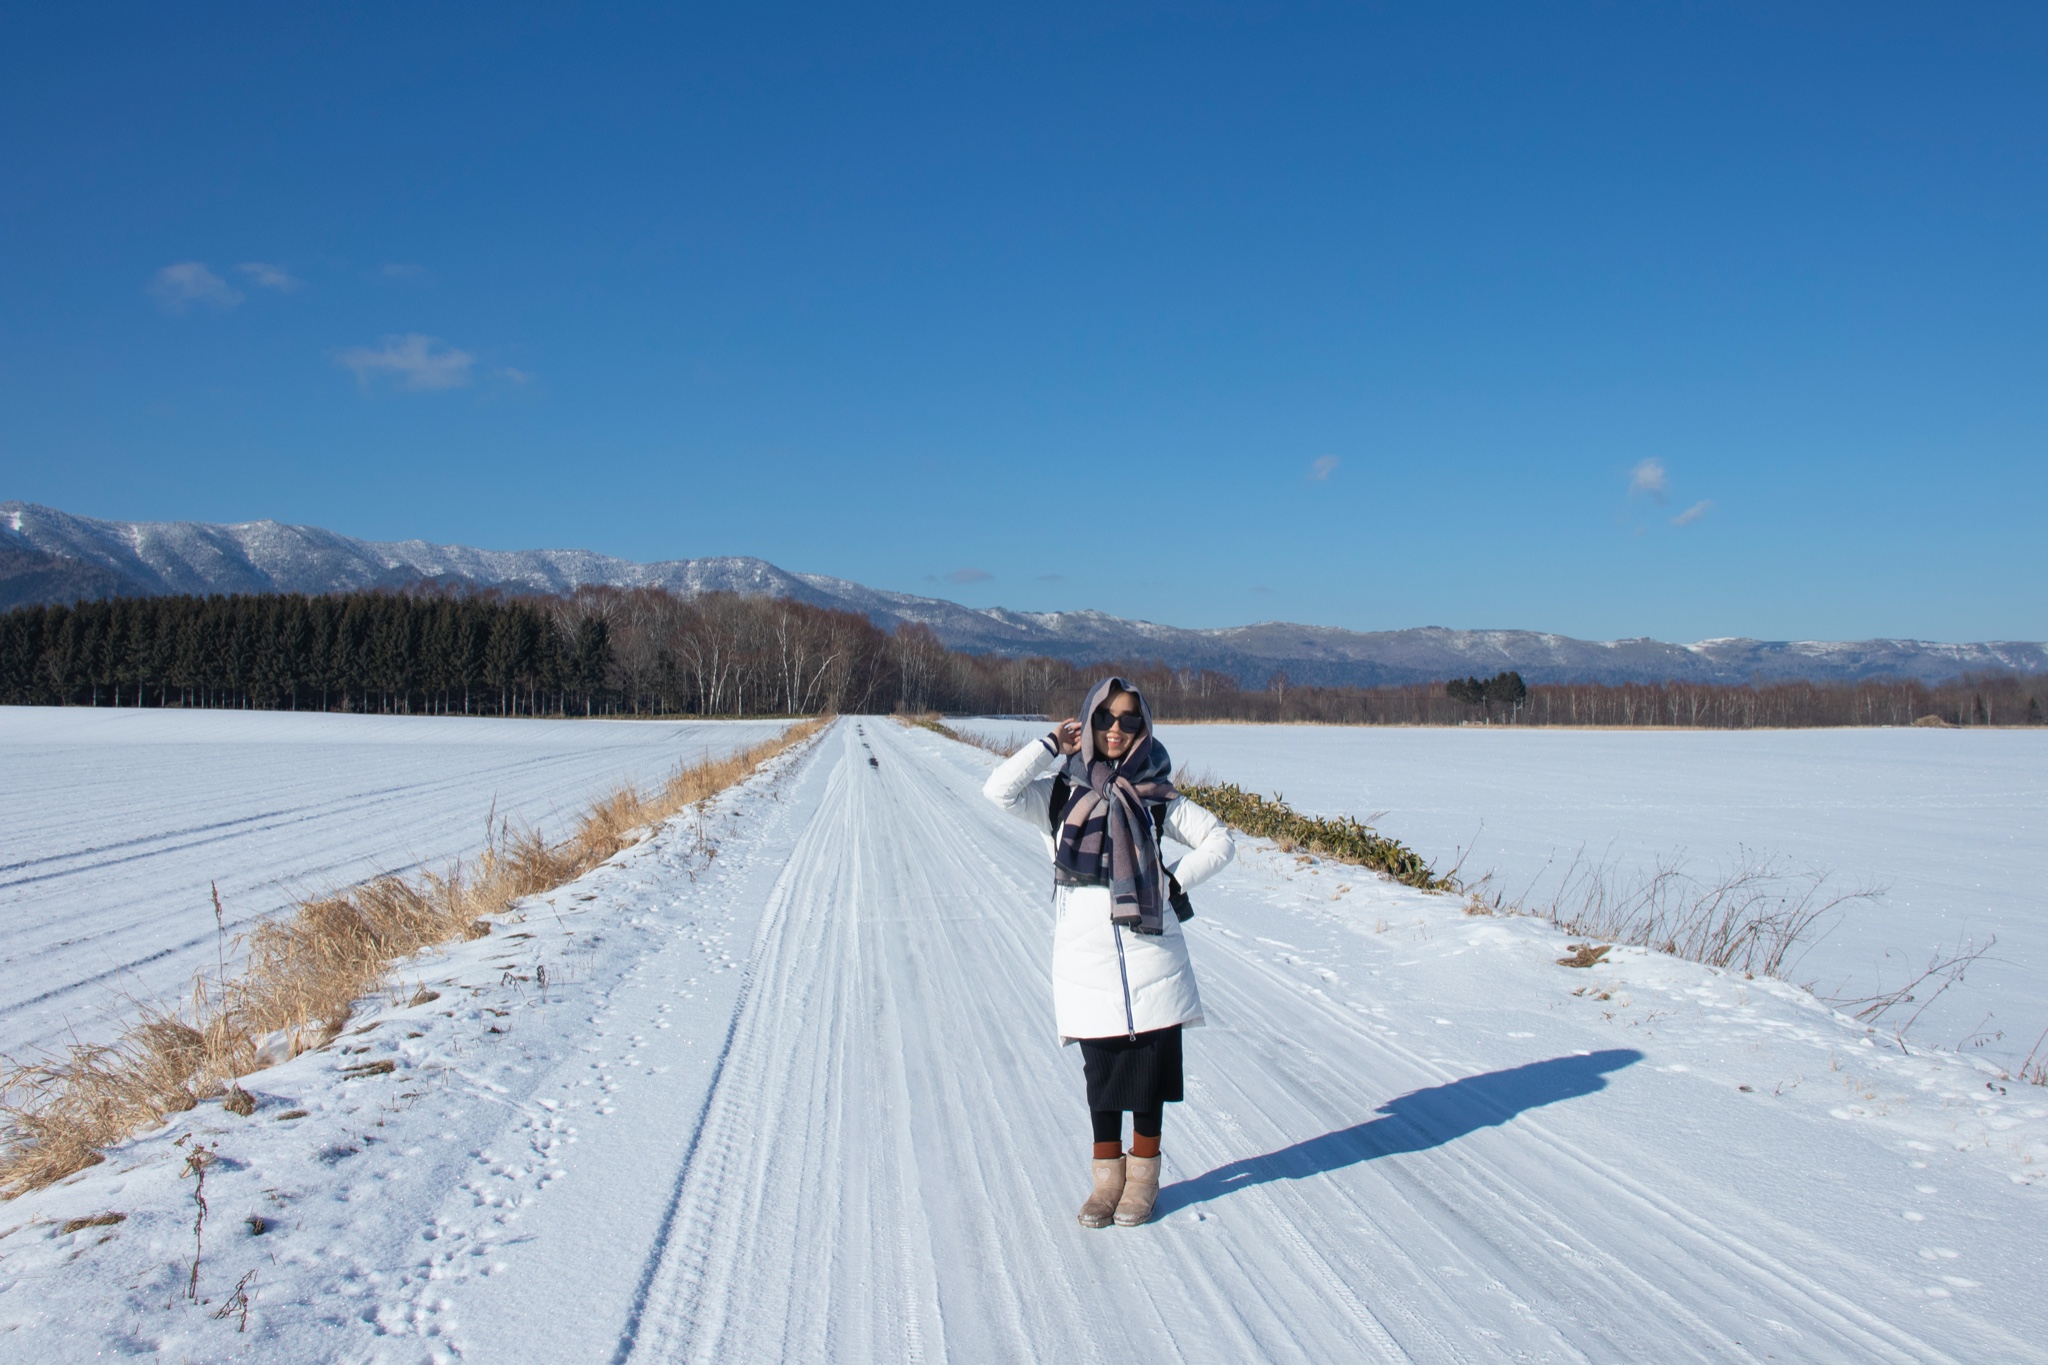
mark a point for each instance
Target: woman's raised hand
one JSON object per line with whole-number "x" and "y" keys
{"x": 1067, "y": 734}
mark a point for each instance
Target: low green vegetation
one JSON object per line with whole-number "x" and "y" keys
{"x": 1342, "y": 838}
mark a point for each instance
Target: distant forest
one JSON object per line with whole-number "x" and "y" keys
{"x": 647, "y": 652}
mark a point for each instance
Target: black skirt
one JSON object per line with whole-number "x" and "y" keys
{"x": 1139, "y": 1074}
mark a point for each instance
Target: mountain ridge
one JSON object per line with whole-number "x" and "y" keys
{"x": 48, "y": 555}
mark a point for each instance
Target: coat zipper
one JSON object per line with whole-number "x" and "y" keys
{"x": 1130, "y": 1020}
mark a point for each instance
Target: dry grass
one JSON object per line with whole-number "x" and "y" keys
{"x": 2031, "y": 1071}
{"x": 98, "y": 1220}
{"x": 1752, "y": 916}
{"x": 304, "y": 972}
{"x": 1946, "y": 968}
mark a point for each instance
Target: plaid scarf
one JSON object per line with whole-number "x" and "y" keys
{"x": 1105, "y": 836}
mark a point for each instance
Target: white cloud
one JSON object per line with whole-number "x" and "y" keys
{"x": 513, "y": 376}
{"x": 1649, "y": 477}
{"x": 404, "y": 274}
{"x": 969, "y": 576}
{"x": 1693, "y": 513}
{"x": 1324, "y": 467}
{"x": 415, "y": 362}
{"x": 270, "y": 276}
{"x": 178, "y": 287}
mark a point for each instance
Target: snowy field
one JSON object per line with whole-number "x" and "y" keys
{"x": 788, "y": 1090}
{"x": 1953, "y": 823}
{"x": 113, "y": 822}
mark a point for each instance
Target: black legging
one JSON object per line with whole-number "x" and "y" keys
{"x": 1109, "y": 1123}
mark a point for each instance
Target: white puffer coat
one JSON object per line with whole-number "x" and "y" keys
{"x": 1107, "y": 982}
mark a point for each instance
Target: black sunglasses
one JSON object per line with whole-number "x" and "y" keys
{"x": 1130, "y": 722}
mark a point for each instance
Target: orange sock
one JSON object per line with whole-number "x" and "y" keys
{"x": 1144, "y": 1146}
{"x": 1110, "y": 1151}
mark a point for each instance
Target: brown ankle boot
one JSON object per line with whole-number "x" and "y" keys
{"x": 1109, "y": 1188}
{"x": 1141, "y": 1190}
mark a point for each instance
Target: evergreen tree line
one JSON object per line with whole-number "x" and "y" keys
{"x": 380, "y": 652}
{"x": 648, "y": 652}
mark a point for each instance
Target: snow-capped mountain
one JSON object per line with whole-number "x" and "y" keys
{"x": 52, "y": 556}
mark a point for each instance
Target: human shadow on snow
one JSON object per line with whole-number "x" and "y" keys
{"x": 1415, "y": 1122}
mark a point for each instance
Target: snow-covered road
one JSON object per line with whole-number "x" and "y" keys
{"x": 887, "y": 1164}
{"x": 802, "y": 1101}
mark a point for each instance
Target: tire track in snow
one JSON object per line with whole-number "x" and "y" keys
{"x": 1569, "y": 1178}
{"x": 1412, "y": 1207}
{"x": 666, "y": 1231}
{"x": 777, "y": 1117}
{"x": 891, "y": 1155}
{"x": 902, "y": 1024}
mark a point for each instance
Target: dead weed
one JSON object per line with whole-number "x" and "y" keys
{"x": 303, "y": 973}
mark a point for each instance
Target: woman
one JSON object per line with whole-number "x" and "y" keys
{"x": 1122, "y": 985}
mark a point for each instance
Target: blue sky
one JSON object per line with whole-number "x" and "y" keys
{"x": 1679, "y": 320}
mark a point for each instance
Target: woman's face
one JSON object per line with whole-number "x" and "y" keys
{"x": 1113, "y": 743}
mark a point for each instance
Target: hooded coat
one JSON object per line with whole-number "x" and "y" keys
{"x": 1106, "y": 982}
